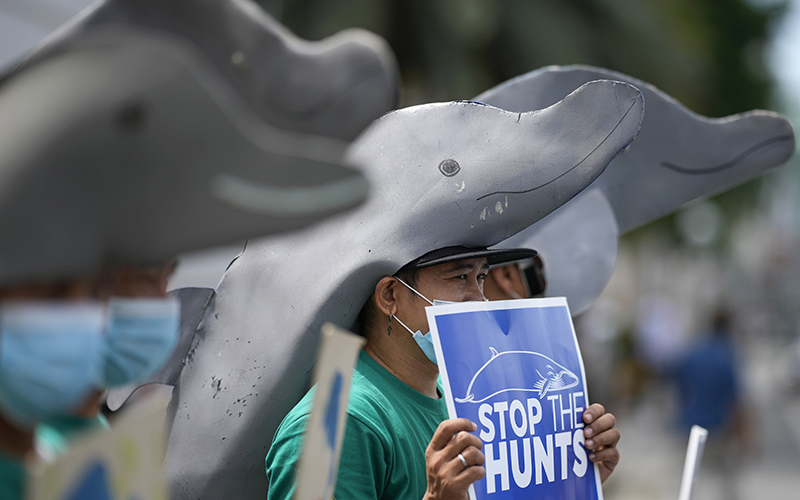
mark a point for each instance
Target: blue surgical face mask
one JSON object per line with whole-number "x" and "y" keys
{"x": 52, "y": 356}
{"x": 142, "y": 334}
{"x": 425, "y": 342}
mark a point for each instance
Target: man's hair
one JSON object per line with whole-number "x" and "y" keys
{"x": 369, "y": 313}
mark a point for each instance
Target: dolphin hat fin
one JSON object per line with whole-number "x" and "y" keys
{"x": 127, "y": 147}
{"x": 679, "y": 156}
{"x": 437, "y": 173}
{"x": 334, "y": 87}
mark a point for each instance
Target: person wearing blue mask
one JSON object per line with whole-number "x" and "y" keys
{"x": 399, "y": 441}
{"x": 99, "y": 192}
{"x": 62, "y": 343}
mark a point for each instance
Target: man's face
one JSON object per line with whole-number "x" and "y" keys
{"x": 459, "y": 281}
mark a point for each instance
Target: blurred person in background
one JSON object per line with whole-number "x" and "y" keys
{"x": 522, "y": 279}
{"x": 62, "y": 342}
{"x": 707, "y": 378}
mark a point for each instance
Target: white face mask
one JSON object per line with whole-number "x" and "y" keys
{"x": 425, "y": 342}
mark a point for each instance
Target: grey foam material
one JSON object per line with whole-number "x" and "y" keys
{"x": 578, "y": 247}
{"x": 679, "y": 156}
{"x": 441, "y": 174}
{"x": 333, "y": 87}
{"x": 126, "y": 147}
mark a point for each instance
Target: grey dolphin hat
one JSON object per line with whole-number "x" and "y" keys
{"x": 333, "y": 87}
{"x": 679, "y": 156}
{"x": 127, "y": 147}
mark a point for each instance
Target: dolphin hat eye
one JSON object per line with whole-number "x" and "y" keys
{"x": 449, "y": 167}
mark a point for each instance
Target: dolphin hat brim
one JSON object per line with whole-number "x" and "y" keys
{"x": 127, "y": 147}
{"x": 333, "y": 87}
{"x": 446, "y": 255}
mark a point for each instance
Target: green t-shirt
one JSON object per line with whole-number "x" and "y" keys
{"x": 12, "y": 475}
{"x": 389, "y": 426}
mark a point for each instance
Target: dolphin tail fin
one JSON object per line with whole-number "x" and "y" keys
{"x": 494, "y": 352}
{"x": 467, "y": 399}
{"x": 194, "y": 302}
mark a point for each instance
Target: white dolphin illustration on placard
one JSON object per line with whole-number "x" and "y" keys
{"x": 552, "y": 375}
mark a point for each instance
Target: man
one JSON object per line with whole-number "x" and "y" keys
{"x": 61, "y": 345}
{"x": 399, "y": 442}
{"x": 516, "y": 280}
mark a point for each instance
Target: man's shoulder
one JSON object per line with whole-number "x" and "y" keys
{"x": 367, "y": 402}
{"x": 369, "y": 399}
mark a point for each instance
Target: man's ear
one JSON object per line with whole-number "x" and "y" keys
{"x": 386, "y": 295}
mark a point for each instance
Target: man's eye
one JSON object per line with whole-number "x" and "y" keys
{"x": 482, "y": 277}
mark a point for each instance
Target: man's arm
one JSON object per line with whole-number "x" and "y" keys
{"x": 283, "y": 457}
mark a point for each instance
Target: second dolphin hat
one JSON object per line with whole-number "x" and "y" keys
{"x": 127, "y": 147}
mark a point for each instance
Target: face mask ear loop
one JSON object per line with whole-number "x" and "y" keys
{"x": 412, "y": 289}
{"x": 404, "y": 325}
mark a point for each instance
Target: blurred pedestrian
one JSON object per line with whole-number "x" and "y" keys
{"x": 709, "y": 394}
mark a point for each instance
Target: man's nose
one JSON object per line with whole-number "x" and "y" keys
{"x": 475, "y": 293}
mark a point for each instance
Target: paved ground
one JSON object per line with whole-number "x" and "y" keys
{"x": 653, "y": 454}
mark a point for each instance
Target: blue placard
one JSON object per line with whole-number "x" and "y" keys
{"x": 515, "y": 369}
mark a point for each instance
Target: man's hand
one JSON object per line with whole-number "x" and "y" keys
{"x": 447, "y": 475}
{"x": 601, "y": 438}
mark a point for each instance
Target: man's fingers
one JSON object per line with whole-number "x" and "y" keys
{"x": 472, "y": 456}
{"x": 460, "y": 442}
{"x": 591, "y": 413}
{"x": 600, "y": 425}
{"x": 471, "y": 474}
{"x": 606, "y": 439}
{"x": 609, "y": 456}
{"x": 448, "y": 429}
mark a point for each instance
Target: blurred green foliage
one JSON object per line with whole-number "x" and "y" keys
{"x": 707, "y": 54}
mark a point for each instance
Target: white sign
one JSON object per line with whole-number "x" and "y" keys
{"x": 319, "y": 461}
{"x": 694, "y": 453}
{"x": 122, "y": 463}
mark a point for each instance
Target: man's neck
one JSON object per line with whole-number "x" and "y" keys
{"x": 418, "y": 374}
